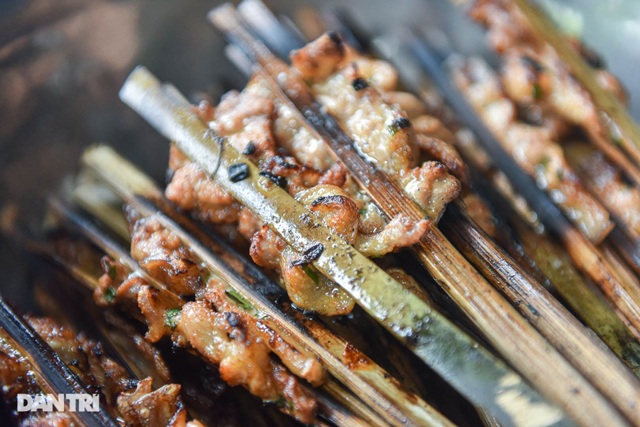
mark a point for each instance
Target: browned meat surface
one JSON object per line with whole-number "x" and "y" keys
{"x": 532, "y": 148}
{"x": 157, "y": 311}
{"x": 193, "y": 191}
{"x": 507, "y": 27}
{"x": 605, "y": 181}
{"x": 302, "y": 365}
{"x": 145, "y": 407}
{"x": 380, "y": 131}
{"x": 528, "y": 82}
{"x": 400, "y": 232}
{"x": 164, "y": 256}
{"x": 298, "y": 177}
{"x": 15, "y": 374}
{"x": 437, "y": 142}
{"x": 432, "y": 187}
{"x": 236, "y": 109}
{"x": 359, "y": 92}
{"x": 266, "y": 247}
{"x": 85, "y": 357}
{"x": 218, "y": 330}
{"x": 223, "y": 339}
{"x": 245, "y": 119}
{"x": 352, "y": 93}
{"x": 320, "y": 59}
{"x": 309, "y": 289}
{"x": 310, "y": 151}
{"x": 561, "y": 102}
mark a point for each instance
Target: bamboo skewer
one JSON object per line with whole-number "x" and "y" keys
{"x": 602, "y": 131}
{"x": 624, "y": 295}
{"x": 627, "y": 247}
{"x": 604, "y": 323}
{"x": 616, "y": 331}
{"x": 370, "y": 381}
{"x": 550, "y": 316}
{"x": 283, "y": 40}
{"x": 52, "y": 373}
{"x": 114, "y": 250}
{"x": 401, "y": 312}
{"x": 554, "y": 263}
{"x": 557, "y": 324}
{"x": 121, "y": 340}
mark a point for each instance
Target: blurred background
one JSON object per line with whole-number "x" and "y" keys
{"x": 62, "y": 63}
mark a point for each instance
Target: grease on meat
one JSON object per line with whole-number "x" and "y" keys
{"x": 258, "y": 123}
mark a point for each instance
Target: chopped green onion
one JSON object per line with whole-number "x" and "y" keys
{"x": 171, "y": 317}
{"x": 312, "y": 274}
{"x": 537, "y": 91}
{"x": 110, "y": 294}
{"x": 235, "y": 296}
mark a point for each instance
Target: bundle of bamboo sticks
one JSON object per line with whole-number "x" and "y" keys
{"x": 526, "y": 358}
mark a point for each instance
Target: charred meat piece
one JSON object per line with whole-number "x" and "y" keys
{"x": 145, "y": 407}
{"x": 309, "y": 289}
{"x": 380, "y": 130}
{"x": 220, "y": 332}
{"x": 164, "y": 257}
{"x": 509, "y": 32}
{"x": 258, "y": 123}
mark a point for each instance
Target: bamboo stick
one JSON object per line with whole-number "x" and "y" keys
{"x": 532, "y": 300}
{"x": 548, "y": 315}
{"x": 613, "y": 128}
{"x": 507, "y": 276}
{"x": 556, "y": 266}
{"x": 598, "y": 314}
{"x": 624, "y": 295}
{"x": 615, "y": 331}
{"x": 104, "y": 243}
{"x": 372, "y": 384}
{"x": 628, "y": 248}
{"x": 401, "y": 312}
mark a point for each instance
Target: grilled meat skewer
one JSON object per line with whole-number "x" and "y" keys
{"x": 528, "y": 293}
{"x": 521, "y": 27}
{"x": 136, "y": 402}
{"x": 368, "y": 371}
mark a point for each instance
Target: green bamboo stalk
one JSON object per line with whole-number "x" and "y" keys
{"x": 368, "y": 380}
{"x": 549, "y": 317}
{"x": 429, "y": 335}
{"x": 114, "y": 250}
